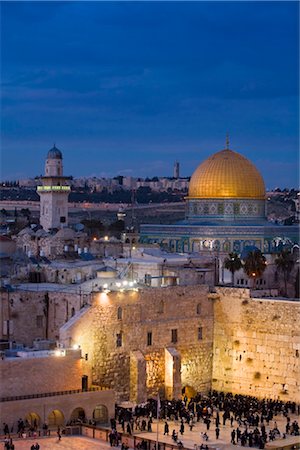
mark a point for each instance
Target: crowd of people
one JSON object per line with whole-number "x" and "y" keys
{"x": 252, "y": 420}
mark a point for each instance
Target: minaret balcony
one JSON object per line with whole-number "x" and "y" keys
{"x": 53, "y": 188}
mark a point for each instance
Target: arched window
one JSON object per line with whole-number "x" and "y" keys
{"x": 120, "y": 313}
{"x": 199, "y": 308}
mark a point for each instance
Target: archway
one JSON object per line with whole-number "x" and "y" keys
{"x": 56, "y": 418}
{"x": 33, "y": 419}
{"x": 100, "y": 414}
{"x": 78, "y": 414}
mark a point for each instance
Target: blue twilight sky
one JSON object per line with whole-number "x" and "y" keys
{"x": 130, "y": 87}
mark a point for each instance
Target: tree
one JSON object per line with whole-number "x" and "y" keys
{"x": 94, "y": 227}
{"x": 26, "y": 212}
{"x": 254, "y": 265}
{"x": 233, "y": 264}
{"x": 285, "y": 263}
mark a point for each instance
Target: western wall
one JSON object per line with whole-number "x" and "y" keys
{"x": 225, "y": 341}
{"x": 147, "y": 361}
{"x": 256, "y": 345}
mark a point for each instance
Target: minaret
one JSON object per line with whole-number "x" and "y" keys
{"x": 54, "y": 193}
{"x": 176, "y": 170}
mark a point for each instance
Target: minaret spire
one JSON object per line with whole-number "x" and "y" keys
{"x": 227, "y": 141}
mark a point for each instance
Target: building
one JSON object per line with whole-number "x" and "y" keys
{"x": 54, "y": 193}
{"x": 225, "y": 212}
{"x": 176, "y": 170}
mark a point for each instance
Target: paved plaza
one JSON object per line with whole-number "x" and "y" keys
{"x": 66, "y": 443}
{"x": 189, "y": 439}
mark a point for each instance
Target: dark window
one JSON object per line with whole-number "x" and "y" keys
{"x": 120, "y": 313}
{"x": 39, "y": 321}
{"x": 119, "y": 340}
{"x": 147, "y": 279}
{"x": 161, "y": 307}
{"x": 199, "y": 309}
{"x": 200, "y": 334}
{"x": 149, "y": 338}
{"x": 174, "y": 336}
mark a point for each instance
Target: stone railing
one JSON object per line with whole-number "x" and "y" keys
{"x": 51, "y": 394}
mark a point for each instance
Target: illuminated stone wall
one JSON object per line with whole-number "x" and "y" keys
{"x": 36, "y": 375}
{"x": 157, "y": 311}
{"x": 256, "y": 345}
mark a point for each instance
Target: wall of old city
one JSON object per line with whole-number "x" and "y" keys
{"x": 36, "y": 375}
{"x": 64, "y": 406}
{"x": 27, "y": 315}
{"x": 134, "y": 315}
{"x": 256, "y": 345}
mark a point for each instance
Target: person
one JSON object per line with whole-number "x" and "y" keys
{"x": 233, "y": 437}
{"x": 204, "y": 436}
{"x": 182, "y": 427}
{"x": 166, "y": 430}
{"x": 174, "y": 436}
{"x": 58, "y": 433}
{"x": 37, "y": 446}
{"x": 217, "y": 432}
{"x": 5, "y": 429}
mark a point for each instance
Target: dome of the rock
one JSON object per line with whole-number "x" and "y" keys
{"x": 227, "y": 174}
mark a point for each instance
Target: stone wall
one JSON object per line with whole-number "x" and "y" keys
{"x": 28, "y": 319}
{"x": 63, "y": 405}
{"x": 25, "y": 376}
{"x": 256, "y": 345}
{"x": 135, "y": 318}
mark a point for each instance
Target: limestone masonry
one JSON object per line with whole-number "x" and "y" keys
{"x": 139, "y": 343}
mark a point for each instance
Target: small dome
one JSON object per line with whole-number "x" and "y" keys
{"x": 54, "y": 153}
{"x": 227, "y": 174}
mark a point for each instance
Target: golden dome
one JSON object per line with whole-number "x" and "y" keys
{"x": 227, "y": 174}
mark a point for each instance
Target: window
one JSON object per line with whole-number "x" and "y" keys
{"x": 161, "y": 307}
{"x": 119, "y": 340}
{"x": 148, "y": 278}
{"x": 199, "y": 309}
{"x": 149, "y": 338}
{"x": 200, "y": 334}
{"x": 72, "y": 312}
{"x": 39, "y": 321}
{"x": 120, "y": 313}
{"x": 174, "y": 336}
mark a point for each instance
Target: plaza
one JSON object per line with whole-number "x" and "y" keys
{"x": 191, "y": 439}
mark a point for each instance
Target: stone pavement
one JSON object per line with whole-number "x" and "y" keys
{"x": 66, "y": 443}
{"x": 189, "y": 439}
{"x": 192, "y": 438}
